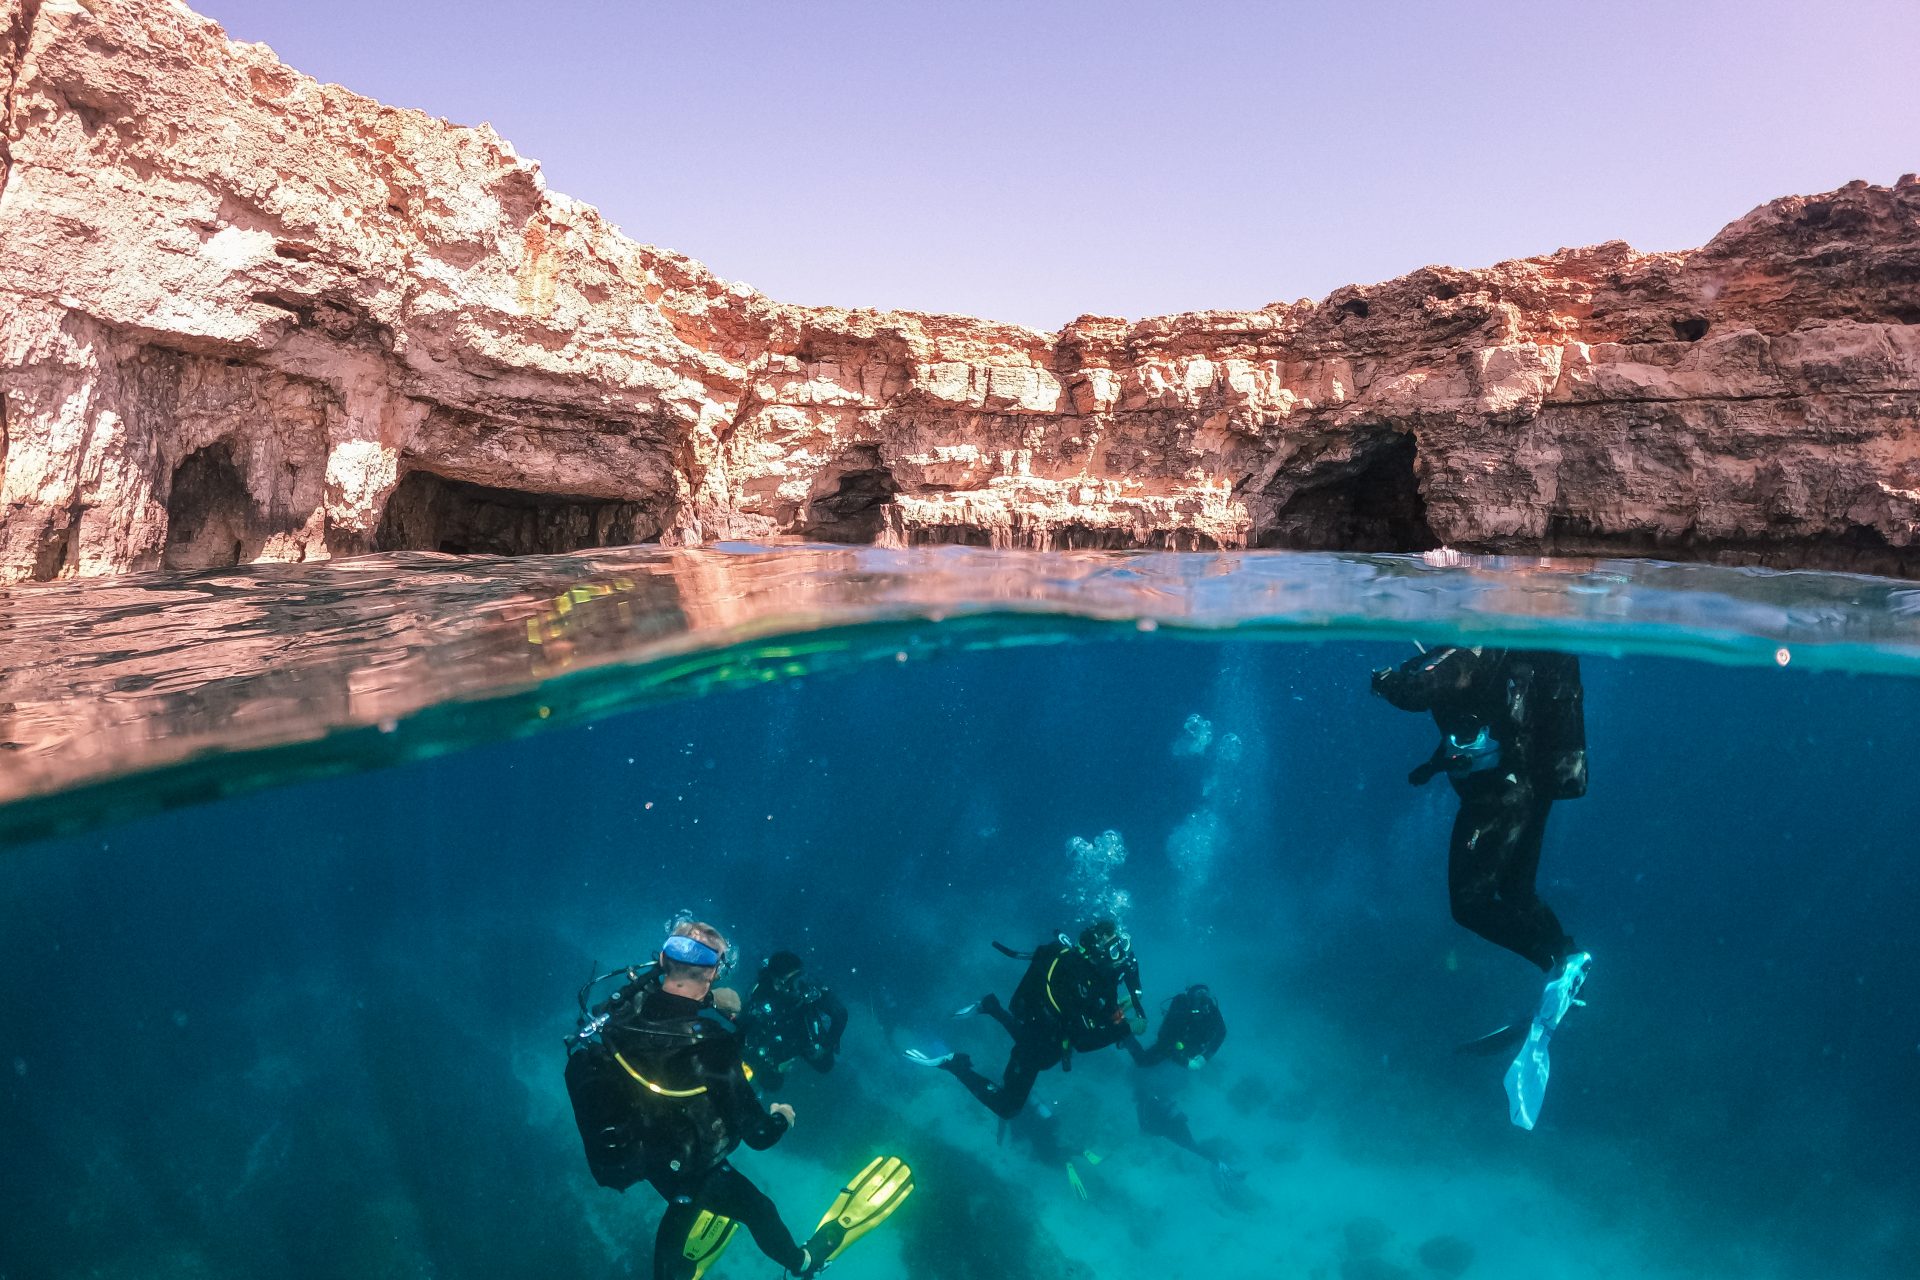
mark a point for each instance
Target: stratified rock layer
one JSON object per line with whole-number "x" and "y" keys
{"x": 249, "y": 316}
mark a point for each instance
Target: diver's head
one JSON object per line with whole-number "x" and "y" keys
{"x": 781, "y": 968}
{"x": 1108, "y": 944}
{"x": 691, "y": 957}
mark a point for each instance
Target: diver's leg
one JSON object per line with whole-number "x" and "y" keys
{"x": 670, "y": 1261}
{"x": 987, "y": 1091}
{"x": 729, "y": 1193}
{"x": 1161, "y": 1119}
{"x": 991, "y": 1006}
{"x": 1030, "y": 1057}
{"x": 1006, "y": 1098}
{"x": 1487, "y": 832}
{"x": 1536, "y": 933}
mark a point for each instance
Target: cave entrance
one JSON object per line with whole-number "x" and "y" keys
{"x": 428, "y": 512}
{"x": 851, "y": 499}
{"x": 211, "y": 520}
{"x": 1368, "y": 502}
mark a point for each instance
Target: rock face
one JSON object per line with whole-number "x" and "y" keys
{"x": 247, "y": 316}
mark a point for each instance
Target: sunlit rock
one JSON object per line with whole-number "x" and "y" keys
{"x": 242, "y": 314}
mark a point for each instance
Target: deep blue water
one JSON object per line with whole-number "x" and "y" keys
{"x": 315, "y": 1030}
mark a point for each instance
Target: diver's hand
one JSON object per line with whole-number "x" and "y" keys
{"x": 784, "y": 1111}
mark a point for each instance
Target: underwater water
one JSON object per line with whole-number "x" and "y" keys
{"x": 289, "y": 997}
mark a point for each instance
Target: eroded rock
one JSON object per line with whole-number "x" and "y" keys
{"x": 243, "y": 315}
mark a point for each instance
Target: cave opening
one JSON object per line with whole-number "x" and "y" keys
{"x": 429, "y": 512}
{"x": 855, "y": 508}
{"x": 211, "y": 518}
{"x": 1368, "y": 502}
{"x": 1691, "y": 329}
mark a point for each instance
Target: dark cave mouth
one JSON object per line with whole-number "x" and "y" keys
{"x": 429, "y": 512}
{"x": 1369, "y": 502}
{"x": 211, "y": 518}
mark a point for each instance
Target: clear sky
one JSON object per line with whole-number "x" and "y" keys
{"x": 1034, "y": 160}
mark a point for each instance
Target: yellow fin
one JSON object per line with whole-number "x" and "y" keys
{"x": 707, "y": 1240}
{"x": 863, "y": 1204}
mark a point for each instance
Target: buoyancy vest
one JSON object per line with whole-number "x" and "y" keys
{"x": 1066, "y": 992}
{"x": 642, "y": 1109}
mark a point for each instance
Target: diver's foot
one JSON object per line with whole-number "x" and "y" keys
{"x": 1563, "y": 990}
{"x": 806, "y": 1265}
{"x": 988, "y": 1004}
{"x": 940, "y": 1056}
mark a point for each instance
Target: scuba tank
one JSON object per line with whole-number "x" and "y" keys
{"x": 1553, "y": 714}
{"x": 601, "y": 1094}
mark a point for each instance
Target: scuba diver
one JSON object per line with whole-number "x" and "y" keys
{"x": 1039, "y": 1128}
{"x": 1067, "y": 1002}
{"x": 789, "y": 1018}
{"x": 661, "y": 1094}
{"x": 1512, "y": 741}
{"x": 1191, "y": 1032}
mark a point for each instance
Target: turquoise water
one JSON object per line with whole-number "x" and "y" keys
{"x": 304, "y": 864}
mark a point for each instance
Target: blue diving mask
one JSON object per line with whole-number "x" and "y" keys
{"x": 687, "y": 950}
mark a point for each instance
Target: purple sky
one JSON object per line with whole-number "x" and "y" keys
{"x": 1036, "y": 160}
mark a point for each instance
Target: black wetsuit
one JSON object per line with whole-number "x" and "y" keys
{"x": 1159, "y": 1114}
{"x": 1065, "y": 1004}
{"x": 785, "y": 1021}
{"x": 687, "y": 1139}
{"x": 1190, "y": 1028}
{"x": 1513, "y": 740}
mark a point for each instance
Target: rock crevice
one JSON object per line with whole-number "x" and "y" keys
{"x": 250, "y": 316}
{"x": 19, "y": 16}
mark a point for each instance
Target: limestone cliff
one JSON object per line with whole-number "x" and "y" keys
{"x": 249, "y": 316}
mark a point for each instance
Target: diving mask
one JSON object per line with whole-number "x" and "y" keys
{"x": 1109, "y": 942}
{"x": 688, "y": 950}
